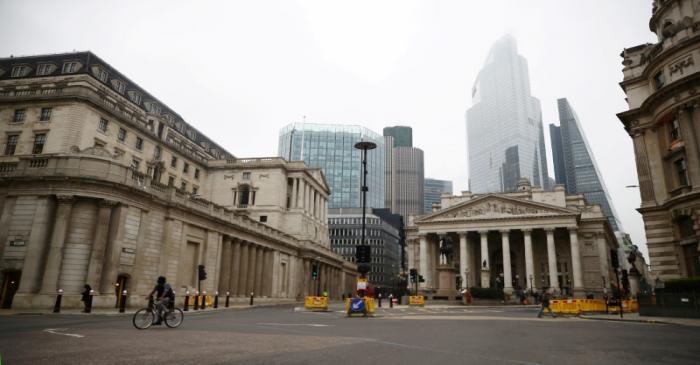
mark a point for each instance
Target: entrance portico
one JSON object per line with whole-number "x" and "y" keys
{"x": 510, "y": 242}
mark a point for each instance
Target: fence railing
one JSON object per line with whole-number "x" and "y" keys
{"x": 673, "y": 304}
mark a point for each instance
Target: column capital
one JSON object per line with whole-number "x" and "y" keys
{"x": 65, "y": 198}
{"x": 526, "y": 230}
{"x": 108, "y": 203}
{"x": 504, "y": 231}
{"x": 549, "y": 230}
{"x": 572, "y": 229}
{"x": 481, "y": 232}
{"x": 462, "y": 234}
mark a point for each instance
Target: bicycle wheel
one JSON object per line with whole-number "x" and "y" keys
{"x": 174, "y": 318}
{"x": 143, "y": 318}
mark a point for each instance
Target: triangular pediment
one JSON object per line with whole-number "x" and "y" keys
{"x": 495, "y": 206}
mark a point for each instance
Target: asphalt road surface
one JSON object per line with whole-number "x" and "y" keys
{"x": 283, "y": 335}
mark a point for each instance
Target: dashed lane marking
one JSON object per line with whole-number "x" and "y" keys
{"x": 59, "y": 331}
{"x": 295, "y": 324}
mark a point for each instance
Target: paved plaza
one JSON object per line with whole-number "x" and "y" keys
{"x": 289, "y": 335}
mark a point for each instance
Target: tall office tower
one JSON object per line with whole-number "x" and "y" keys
{"x": 331, "y": 147}
{"x": 574, "y": 164}
{"x": 432, "y": 190}
{"x": 404, "y": 173}
{"x": 403, "y": 136}
{"x": 504, "y": 125}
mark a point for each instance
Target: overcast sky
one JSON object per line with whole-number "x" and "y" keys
{"x": 240, "y": 70}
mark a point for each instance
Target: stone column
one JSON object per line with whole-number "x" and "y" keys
{"x": 507, "y": 275}
{"x": 252, "y": 262}
{"x": 307, "y": 275}
{"x": 410, "y": 251}
{"x": 235, "y": 267}
{"x": 49, "y": 284}
{"x": 301, "y": 202}
{"x": 485, "y": 264}
{"x": 243, "y": 269}
{"x": 423, "y": 258}
{"x": 692, "y": 154}
{"x": 259, "y": 269}
{"x": 603, "y": 259}
{"x": 552, "y": 260}
{"x": 295, "y": 186}
{"x": 529, "y": 260}
{"x": 576, "y": 262}
{"x": 36, "y": 247}
{"x": 99, "y": 242}
{"x": 463, "y": 260}
{"x": 225, "y": 271}
{"x": 268, "y": 275}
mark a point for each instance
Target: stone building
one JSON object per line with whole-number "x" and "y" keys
{"x": 661, "y": 82}
{"x": 103, "y": 184}
{"x": 529, "y": 239}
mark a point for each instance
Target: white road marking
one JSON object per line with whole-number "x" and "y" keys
{"x": 55, "y": 331}
{"x": 295, "y": 324}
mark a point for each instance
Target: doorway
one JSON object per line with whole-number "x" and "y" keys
{"x": 119, "y": 287}
{"x": 10, "y": 283}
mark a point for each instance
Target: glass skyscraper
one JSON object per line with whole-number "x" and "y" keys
{"x": 433, "y": 188}
{"x": 504, "y": 125}
{"x": 403, "y": 136}
{"x": 574, "y": 164}
{"x": 331, "y": 147}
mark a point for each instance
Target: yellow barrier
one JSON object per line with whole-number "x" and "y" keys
{"x": 316, "y": 303}
{"x": 416, "y": 300}
{"x": 369, "y": 304}
{"x": 209, "y": 300}
{"x": 577, "y": 306}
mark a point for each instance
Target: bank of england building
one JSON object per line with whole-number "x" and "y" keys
{"x": 103, "y": 184}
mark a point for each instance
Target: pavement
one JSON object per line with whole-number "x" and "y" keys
{"x": 635, "y": 317}
{"x": 400, "y": 335}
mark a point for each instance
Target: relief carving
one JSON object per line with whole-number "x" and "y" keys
{"x": 495, "y": 209}
{"x": 679, "y": 66}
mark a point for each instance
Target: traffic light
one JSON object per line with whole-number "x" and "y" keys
{"x": 314, "y": 271}
{"x": 363, "y": 254}
{"x": 414, "y": 275}
{"x": 201, "y": 274}
{"x": 614, "y": 260}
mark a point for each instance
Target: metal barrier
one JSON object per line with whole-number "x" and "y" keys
{"x": 316, "y": 303}
{"x": 671, "y": 304}
{"x": 578, "y": 306}
{"x": 416, "y": 300}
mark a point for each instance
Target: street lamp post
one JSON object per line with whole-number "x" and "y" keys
{"x": 365, "y": 146}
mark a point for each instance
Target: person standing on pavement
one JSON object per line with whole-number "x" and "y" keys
{"x": 545, "y": 305}
{"x": 86, "y": 298}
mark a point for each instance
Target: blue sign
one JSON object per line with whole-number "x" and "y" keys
{"x": 357, "y": 305}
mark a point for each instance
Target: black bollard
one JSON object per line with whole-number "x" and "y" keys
{"x": 187, "y": 299}
{"x": 216, "y": 300}
{"x": 391, "y": 302}
{"x": 203, "y": 303}
{"x": 380, "y": 301}
{"x": 251, "y": 298}
{"x": 57, "y": 305}
{"x": 227, "y": 297}
{"x": 122, "y": 303}
{"x": 196, "y": 300}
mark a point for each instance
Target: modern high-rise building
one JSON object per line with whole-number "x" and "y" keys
{"x": 432, "y": 189}
{"x": 331, "y": 147}
{"x": 504, "y": 125}
{"x": 404, "y": 173}
{"x": 403, "y": 136}
{"x": 574, "y": 164}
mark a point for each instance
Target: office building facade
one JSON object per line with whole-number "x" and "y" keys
{"x": 330, "y": 147}
{"x": 504, "y": 125}
{"x": 432, "y": 189}
{"x": 403, "y": 136}
{"x": 574, "y": 163}
{"x": 404, "y": 179}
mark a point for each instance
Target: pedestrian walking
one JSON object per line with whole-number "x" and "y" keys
{"x": 86, "y": 298}
{"x": 545, "y": 305}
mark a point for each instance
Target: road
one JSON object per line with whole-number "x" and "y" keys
{"x": 283, "y": 335}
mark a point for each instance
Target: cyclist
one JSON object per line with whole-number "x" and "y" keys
{"x": 164, "y": 295}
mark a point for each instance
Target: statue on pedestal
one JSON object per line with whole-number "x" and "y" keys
{"x": 445, "y": 250}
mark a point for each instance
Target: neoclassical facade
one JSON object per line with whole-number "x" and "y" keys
{"x": 529, "y": 239}
{"x": 102, "y": 184}
{"x": 661, "y": 84}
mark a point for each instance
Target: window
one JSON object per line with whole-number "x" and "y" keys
{"x": 19, "y": 115}
{"x": 121, "y": 136}
{"x": 681, "y": 172}
{"x": 135, "y": 164}
{"x": 69, "y": 67}
{"x": 157, "y": 152}
{"x": 39, "y": 141}
{"x": 246, "y": 176}
{"x": 11, "y": 144}
{"x": 685, "y": 226}
{"x": 195, "y": 189}
{"x": 102, "y": 126}
{"x": 44, "y": 69}
{"x": 120, "y": 86}
{"x": 171, "y": 180}
{"x": 196, "y": 173}
{"x": 139, "y": 143}
{"x": 659, "y": 80}
{"x": 675, "y": 130}
{"x": 102, "y": 74}
{"x": 183, "y": 185}
{"x": 263, "y": 218}
{"x": 19, "y": 71}
{"x": 45, "y": 114}
{"x": 186, "y": 167}
{"x": 173, "y": 161}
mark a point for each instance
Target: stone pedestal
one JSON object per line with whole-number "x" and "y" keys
{"x": 634, "y": 283}
{"x": 485, "y": 278}
{"x": 446, "y": 281}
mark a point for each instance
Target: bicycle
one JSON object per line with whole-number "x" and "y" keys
{"x": 144, "y": 317}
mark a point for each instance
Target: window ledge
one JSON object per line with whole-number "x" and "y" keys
{"x": 684, "y": 189}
